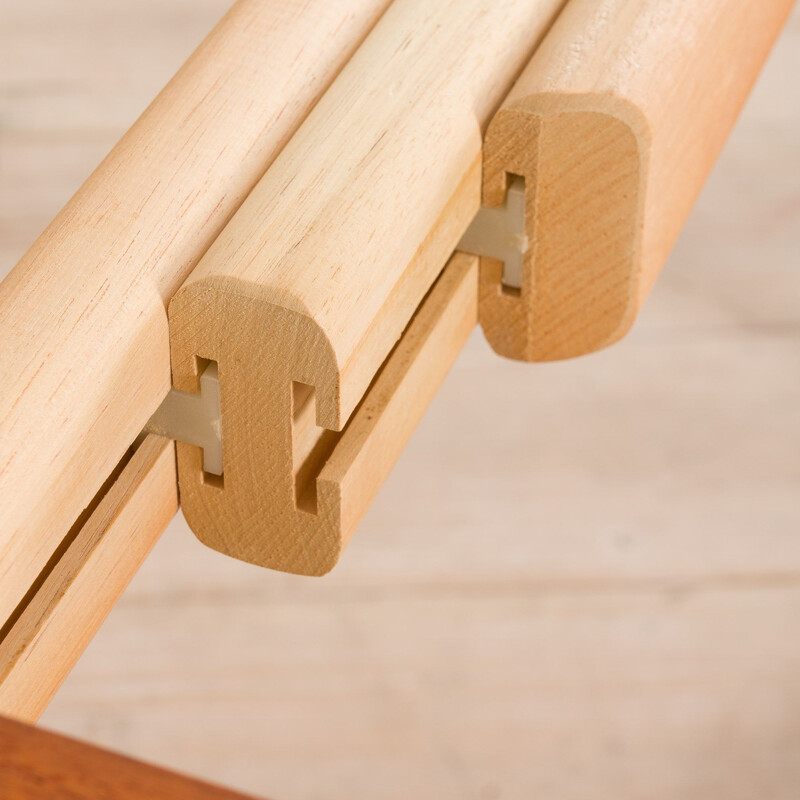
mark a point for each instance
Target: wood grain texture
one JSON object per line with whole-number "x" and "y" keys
{"x": 580, "y": 581}
{"x": 332, "y": 478}
{"x": 38, "y": 765}
{"x": 72, "y": 599}
{"x": 85, "y": 350}
{"x": 317, "y": 275}
{"x": 400, "y": 394}
{"x": 615, "y": 124}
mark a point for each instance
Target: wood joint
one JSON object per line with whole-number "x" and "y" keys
{"x": 298, "y": 476}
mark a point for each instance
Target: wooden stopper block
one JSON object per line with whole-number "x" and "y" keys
{"x": 315, "y": 279}
{"x": 293, "y": 493}
{"x": 614, "y": 125}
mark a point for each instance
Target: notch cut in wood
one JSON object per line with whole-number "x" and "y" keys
{"x": 194, "y": 417}
{"x": 499, "y": 232}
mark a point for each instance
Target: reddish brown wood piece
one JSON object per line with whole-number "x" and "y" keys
{"x": 39, "y": 765}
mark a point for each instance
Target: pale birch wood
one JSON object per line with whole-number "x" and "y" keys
{"x": 85, "y": 358}
{"x": 47, "y": 638}
{"x": 317, "y": 275}
{"x": 615, "y": 124}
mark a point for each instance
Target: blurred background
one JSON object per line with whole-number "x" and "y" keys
{"x": 582, "y": 579}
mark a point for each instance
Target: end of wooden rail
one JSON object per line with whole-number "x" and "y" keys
{"x": 298, "y": 474}
{"x": 583, "y": 160}
{"x": 614, "y": 124}
{"x": 262, "y": 351}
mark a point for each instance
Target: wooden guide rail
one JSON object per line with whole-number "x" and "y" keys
{"x": 41, "y": 643}
{"x": 331, "y": 301}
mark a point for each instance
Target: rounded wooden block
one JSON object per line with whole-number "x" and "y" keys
{"x": 292, "y": 493}
{"x": 615, "y": 124}
{"x": 274, "y": 349}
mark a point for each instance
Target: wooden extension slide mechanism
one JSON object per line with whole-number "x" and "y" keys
{"x": 608, "y": 134}
{"x": 327, "y": 197}
{"x": 308, "y": 290}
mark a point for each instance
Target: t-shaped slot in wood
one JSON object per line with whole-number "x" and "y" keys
{"x": 499, "y": 232}
{"x": 583, "y": 172}
{"x": 294, "y": 489}
{"x": 194, "y": 417}
{"x": 311, "y": 446}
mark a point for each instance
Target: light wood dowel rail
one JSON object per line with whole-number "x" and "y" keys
{"x": 40, "y": 765}
{"x": 39, "y": 647}
{"x": 84, "y": 346}
{"x": 614, "y": 124}
{"x": 315, "y": 278}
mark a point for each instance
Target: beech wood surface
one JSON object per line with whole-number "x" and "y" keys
{"x": 317, "y": 275}
{"x": 85, "y": 353}
{"x": 600, "y": 605}
{"x": 38, "y": 765}
{"x": 615, "y": 124}
{"x": 41, "y": 643}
